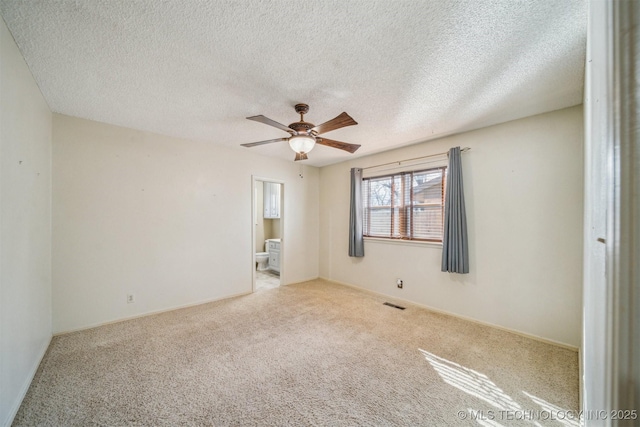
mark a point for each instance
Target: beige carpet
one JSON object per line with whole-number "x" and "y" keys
{"x": 308, "y": 354}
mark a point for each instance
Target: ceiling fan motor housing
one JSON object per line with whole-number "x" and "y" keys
{"x": 301, "y": 127}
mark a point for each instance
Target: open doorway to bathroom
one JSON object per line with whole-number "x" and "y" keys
{"x": 268, "y": 226}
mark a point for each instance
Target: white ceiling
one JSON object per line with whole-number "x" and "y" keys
{"x": 406, "y": 70}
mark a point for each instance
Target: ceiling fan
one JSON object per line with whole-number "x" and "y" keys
{"x": 305, "y": 135}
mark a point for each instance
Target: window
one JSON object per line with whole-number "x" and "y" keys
{"x": 405, "y": 205}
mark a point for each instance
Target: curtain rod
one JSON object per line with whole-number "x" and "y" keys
{"x": 415, "y": 158}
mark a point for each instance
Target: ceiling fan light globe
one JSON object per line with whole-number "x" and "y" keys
{"x": 302, "y": 143}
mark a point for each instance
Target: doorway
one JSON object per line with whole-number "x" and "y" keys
{"x": 267, "y": 233}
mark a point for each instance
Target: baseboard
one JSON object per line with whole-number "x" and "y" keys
{"x": 469, "y": 319}
{"x": 304, "y": 280}
{"x": 580, "y": 378}
{"x": 150, "y": 313}
{"x": 25, "y": 387}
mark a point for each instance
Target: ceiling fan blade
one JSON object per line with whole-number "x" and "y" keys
{"x": 352, "y": 148}
{"x": 268, "y": 141}
{"x": 339, "y": 122}
{"x": 301, "y": 156}
{"x": 268, "y": 121}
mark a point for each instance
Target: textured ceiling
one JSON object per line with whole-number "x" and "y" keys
{"x": 406, "y": 70}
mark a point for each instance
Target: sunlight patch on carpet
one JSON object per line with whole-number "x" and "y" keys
{"x": 554, "y": 409}
{"x": 471, "y": 382}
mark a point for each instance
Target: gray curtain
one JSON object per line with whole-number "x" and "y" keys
{"x": 356, "y": 242}
{"x": 455, "y": 244}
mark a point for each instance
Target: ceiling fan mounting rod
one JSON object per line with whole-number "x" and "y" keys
{"x": 302, "y": 109}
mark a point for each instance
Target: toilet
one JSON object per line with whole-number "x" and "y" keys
{"x": 262, "y": 258}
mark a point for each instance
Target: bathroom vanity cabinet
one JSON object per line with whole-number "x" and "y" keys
{"x": 274, "y": 255}
{"x": 271, "y": 200}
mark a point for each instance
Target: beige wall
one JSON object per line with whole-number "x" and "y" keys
{"x": 25, "y": 233}
{"x": 275, "y": 228}
{"x": 269, "y": 229}
{"x": 523, "y": 188}
{"x": 166, "y": 219}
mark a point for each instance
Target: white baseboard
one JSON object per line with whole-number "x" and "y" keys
{"x": 25, "y": 387}
{"x": 448, "y": 313}
{"x": 150, "y": 313}
{"x": 304, "y": 280}
{"x": 581, "y": 378}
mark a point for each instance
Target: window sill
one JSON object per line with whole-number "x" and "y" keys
{"x": 403, "y": 242}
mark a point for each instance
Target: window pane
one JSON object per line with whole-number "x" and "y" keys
{"x": 380, "y": 190}
{"x": 380, "y": 222}
{"x": 427, "y": 187}
{"x": 427, "y": 223}
{"x": 427, "y": 205}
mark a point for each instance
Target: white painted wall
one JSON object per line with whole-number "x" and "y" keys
{"x": 25, "y": 226}
{"x": 166, "y": 219}
{"x": 523, "y": 189}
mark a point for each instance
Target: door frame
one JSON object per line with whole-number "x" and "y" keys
{"x": 611, "y": 301}
{"x": 255, "y": 180}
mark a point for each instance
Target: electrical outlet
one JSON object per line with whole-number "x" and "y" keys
{"x": 130, "y": 298}
{"x": 399, "y": 283}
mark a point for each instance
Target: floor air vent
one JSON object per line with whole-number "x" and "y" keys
{"x": 394, "y": 306}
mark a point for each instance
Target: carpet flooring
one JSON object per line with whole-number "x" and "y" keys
{"x": 315, "y": 353}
